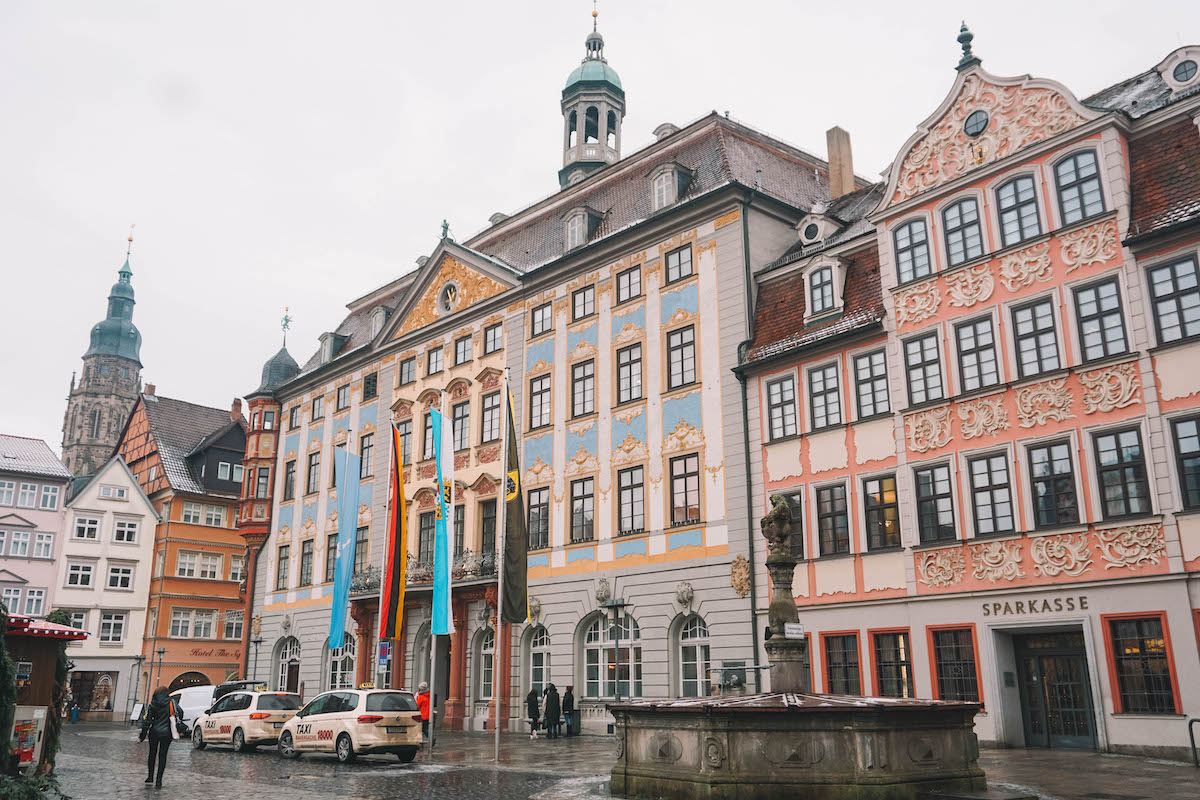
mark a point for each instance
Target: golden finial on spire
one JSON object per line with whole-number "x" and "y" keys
{"x": 595, "y": 15}
{"x": 129, "y": 240}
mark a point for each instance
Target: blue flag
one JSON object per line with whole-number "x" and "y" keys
{"x": 345, "y": 473}
{"x": 443, "y": 448}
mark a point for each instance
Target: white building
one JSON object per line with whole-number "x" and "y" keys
{"x": 104, "y": 582}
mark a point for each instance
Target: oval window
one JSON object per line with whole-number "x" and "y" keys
{"x": 1184, "y": 71}
{"x": 977, "y": 122}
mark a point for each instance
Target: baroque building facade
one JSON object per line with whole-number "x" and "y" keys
{"x": 971, "y": 381}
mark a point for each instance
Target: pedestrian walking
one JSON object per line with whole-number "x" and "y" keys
{"x": 423, "y": 705}
{"x": 568, "y": 707}
{"x": 553, "y": 712}
{"x": 159, "y": 723}
{"x": 532, "y": 711}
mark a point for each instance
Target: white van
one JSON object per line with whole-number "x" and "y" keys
{"x": 193, "y": 701}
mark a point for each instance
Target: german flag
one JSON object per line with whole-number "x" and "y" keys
{"x": 395, "y": 561}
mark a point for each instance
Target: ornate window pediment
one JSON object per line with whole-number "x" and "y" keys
{"x": 1181, "y": 69}
{"x": 824, "y": 287}
{"x": 817, "y": 226}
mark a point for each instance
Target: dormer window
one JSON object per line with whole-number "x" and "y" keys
{"x": 820, "y": 291}
{"x": 668, "y": 182}
{"x": 662, "y": 191}
{"x": 378, "y": 316}
{"x": 824, "y": 281}
{"x": 816, "y": 226}
{"x": 576, "y": 227}
{"x": 1181, "y": 69}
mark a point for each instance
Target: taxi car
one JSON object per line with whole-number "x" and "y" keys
{"x": 245, "y": 719}
{"x": 353, "y": 722}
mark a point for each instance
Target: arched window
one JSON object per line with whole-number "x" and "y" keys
{"x": 964, "y": 237}
{"x": 693, "y": 658}
{"x": 1017, "y": 201}
{"x": 611, "y": 138}
{"x": 576, "y": 227}
{"x": 912, "y": 251}
{"x": 94, "y": 423}
{"x": 341, "y": 664}
{"x": 572, "y": 129}
{"x": 539, "y": 659}
{"x": 486, "y": 662}
{"x": 662, "y": 190}
{"x": 591, "y": 126}
{"x": 289, "y": 666}
{"x": 1078, "y": 178}
{"x": 613, "y": 658}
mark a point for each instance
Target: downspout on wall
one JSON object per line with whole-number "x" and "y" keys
{"x": 749, "y": 278}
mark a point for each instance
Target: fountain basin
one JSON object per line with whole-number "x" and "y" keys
{"x": 795, "y": 746}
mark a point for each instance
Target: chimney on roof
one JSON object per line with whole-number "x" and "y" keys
{"x": 235, "y": 410}
{"x": 150, "y": 389}
{"x": 841, "y": 164}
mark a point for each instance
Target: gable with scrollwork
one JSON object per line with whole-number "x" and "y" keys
{"x": 1021, "y": 112}
{"x": 470, "y": 287}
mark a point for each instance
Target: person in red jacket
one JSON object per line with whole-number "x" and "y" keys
{"x": 423, "y": 705}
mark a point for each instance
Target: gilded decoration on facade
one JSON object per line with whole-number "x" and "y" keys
{"x": 1109, "y": 388}
{"x": 1043, "y": 402}
{"x": 364, "y": 515}
{"x": 539, "y": 366}
{"x": 584, "y": 349}
{"x": 928, "y": 430}
{"x": 538, "y": 471}
{"x": 941, "y": 567}
{"x": 1023, "y": 267}
{"x": 970, "y": 286}
{"x": 628, "y": 333}
{"x": 1020, "y": 116}
{"x": 583, "y": 461}
{"x": 983, "y": 417}
{"x": 997, "y": 561}
{"x": 680, "y": 316}
{"x": 683, "y": 437}
{"x": 739, "y": 575}
{"x": 918, "y": 303}
{"x": 1089, "y": 245}
{"x": 309, "y": 528}
{"x": 725, "y": 219}
{"x": 1061, "y": 555}
{"x": 1132, "y": 545}
{"x": 284, "y": 532}
{"x": 472, "y": 287}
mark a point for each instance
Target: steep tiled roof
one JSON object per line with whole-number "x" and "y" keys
{"x": 1165, "y": 174}
{"x": 178, "y": 427}
{"x": 1138, "y": 96}
{"x": 29, "y": 457}
{"x": 779, "y": 316}
{"x": 355, "y": 330}
{"x": 851, "y": 209}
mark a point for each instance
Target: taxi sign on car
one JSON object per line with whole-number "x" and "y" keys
{"x": 353, "y": 722}
{"x": 245, "y": 719}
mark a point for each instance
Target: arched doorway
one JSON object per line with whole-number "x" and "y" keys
{"x": 288, "y": 659}
{"x": 189, "y": 679}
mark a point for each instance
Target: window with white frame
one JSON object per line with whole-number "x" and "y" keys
{"x": 964, "y": 237}
{"x": 924, "y": 369}
{"x": 318, "y": 406}
{"x": 1175, "y": 293}
{"x": 662, "y": 190}
{"x": 539, "y": 660}
{"x": 433, "y": 361}
{"x": 20, "y": 543}
{"x": 342, "y": 397}
{"x": 79, "y": 575}
{"x": 114, "y": 492}
{"x": 125, "y": 530}
{"x": 238, "y": 472}
{"x": 49, "y": 498}
{"x": 408, "y": 371}
{"x": 215, "y": 516}
{"x": 576, "y": 230}
{"x": 203, "y": 623}
{"x": 1101, "y": 323}
{"x": 11, "y": 597}
{"x": 781, "y": 407}
{"x": 820, "y": 290}
{"x": 27, "y": 498}
{"x": 462, "y": 350}
{"x": 234, "y": 619}
{"x": 629, "y": 284}
{"x": 824, "y": 396}
{"x": 210, "y": 566}
{"x": 192, "y": 513}
{"x": 977, "y": 363}
{"x": 870, "y": 376}
{"x": 7, "y": 491}
{"x": 237, "y": 568}
{"x": 181, "y": 623}
{"x": 223, "y": 471}
{"x": 1079, "y": 195}
{"x": 35, "y": 602}
{"x": 991, "y": 494}
{"x": 612, "y": 659}
{"x": 1035, "y": 337}
{"x": 487, "y": 663}
{"x": 185, "y": 566}
{"x": 78, "y": 620}
{"x": 112, "y": 627}
{"x": 404, "y": 428}
{"x": 1017, "y": 202}
{"x": 460, "y": 426}
{"x": 912, "y": 251}
{"x": 341, "y": 664}
{"x": 87, "y": 528}
{"x": 694, "y": 658}
{"x": 43, "y": 545}
{"x": 3, "y": 541}
{"x": 120, "y": 576}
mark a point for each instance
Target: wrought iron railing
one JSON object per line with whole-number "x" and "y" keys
{"x": 365, "y": 581}
{"x": 467, "y": 566}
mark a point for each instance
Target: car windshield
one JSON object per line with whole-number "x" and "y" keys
{"x": 391, "y": 701}
{"x": 278, "y": 702}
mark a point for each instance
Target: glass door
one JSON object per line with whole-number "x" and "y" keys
{"x": 1056, "y": 698}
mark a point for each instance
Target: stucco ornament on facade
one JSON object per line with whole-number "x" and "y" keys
{"x": 928, "y": 430}
{"x": 683, "y": 436}
{"x": 918, "y": 303}
{"x": 1109, "y": 388}
{"x": 472, "y": 287}
{"x": 628, "y": 333}
{"x": 1090, "y": 245}
{"x": 538, "y": 471}
{"x": 970, "y": 286}
{"x": 739, "y": 575}
{"x": 1043, "y": 402}
{"x": 684, "y": 594}
{"x": 1061, "y": 555}
{"x": 1132, "y": 545}
{"x": 983, "y": 417}
{"x": 631, "y": 449}
{"x": 941, "y": 567}
{"x": 1020, "y": 115}
{"x": 603, "y": 592}
{"x": 583, "y": 461}
{"x": 1024, "y": 267}
{"x": 997, "y": 561}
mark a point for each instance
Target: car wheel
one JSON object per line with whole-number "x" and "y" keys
{"x": 406, "y": 758}
{"x": 198, "y": 742}
{"x": 287, "y": 748}
{"x": 345, "y": 749}
{"x": 239, "y": 741}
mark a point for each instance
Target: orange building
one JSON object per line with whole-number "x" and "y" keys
{"x": 188, "y": 460}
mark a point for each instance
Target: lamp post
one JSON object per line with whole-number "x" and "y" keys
{"x": 618, "y": 605}
{"x": 256, "y": 641}
{"x": 162, "y": 651}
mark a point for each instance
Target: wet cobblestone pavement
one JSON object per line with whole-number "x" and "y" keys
{"x": 102, "y": 761}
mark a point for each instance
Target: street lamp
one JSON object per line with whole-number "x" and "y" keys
{"x": 256, "y": 641}
{"x": 162, "y": 651}
{"x": 618, "y": 604}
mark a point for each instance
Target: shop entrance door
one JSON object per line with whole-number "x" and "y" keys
{"x": 1056, "y": 695}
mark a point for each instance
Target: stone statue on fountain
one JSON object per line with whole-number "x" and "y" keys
{"x": 788, "y": 657}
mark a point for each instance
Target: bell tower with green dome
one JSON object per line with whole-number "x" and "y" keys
{"x": 101, "y": 399}
{"x": 593, "y": 106}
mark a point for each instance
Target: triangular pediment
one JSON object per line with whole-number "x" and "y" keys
{"x": 452, "y": 281}
{"x": 15, "y": 521}
{"x": 1021, "y": 111}
{"x": 11, "y": 577}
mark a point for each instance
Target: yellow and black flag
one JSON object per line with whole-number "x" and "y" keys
{"x": 516, "y": 537}
{"x": 395, "y": 564}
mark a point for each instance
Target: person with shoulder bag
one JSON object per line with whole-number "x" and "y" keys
{"x": 162, "y": 723}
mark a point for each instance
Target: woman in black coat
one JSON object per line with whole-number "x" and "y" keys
{"x": 531, "y": 709}
{"x": 553, "y": 713}
{"x": 568, "y": 707}
{"x": 156, "y": 723}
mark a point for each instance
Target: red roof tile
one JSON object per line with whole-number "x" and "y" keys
{"x": 1165, "y": 173}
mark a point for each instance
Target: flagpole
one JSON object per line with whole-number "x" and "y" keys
{"x": 502, "y": 519}
{"x": 437, "y": 448}
{"x": 386, "y": 550}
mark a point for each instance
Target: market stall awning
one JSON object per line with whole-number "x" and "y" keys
{"x": 19, "y": 625}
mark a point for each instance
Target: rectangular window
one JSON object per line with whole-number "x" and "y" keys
{"x": 824, "y": 396}
{"x": 583, "y": 388}
{"x": 491, "y": 418}
{"x": 112, "y": 627}
{"x": 685, "y": 489}
{"x": 954, "y": 661}
{"x": 796, "y": 504}
{"x": 991, "y": 495}
{"x": 89, "y": 527}
{"x": 281, "y": 568}
{"x": 539, "y": 402}
{"x": 433, "y": 361}
{"x": 870, "y": 375}
{"x": 12, "y": 600}
{"x": 80, "y": 575}
{"x": 294, "y": 418}
{"x": 1079, "y": 195}
{"x": 629, "y": 284}
{"x": 1186, "y": 433}
{"x": 781, "y": 407}
{"x": 541, "y": 320}
{"x": 370, "y": 388}
{"x": 977, "y": 364}
{"x": 223, "y": 471}
{"x": 237, "y": 568}
{"x": 1121, "y": 464}
{"x": 833, "y": 522}
{"x": 1052, "y": 484}
{"x": 203, "y": 623}
{"x": 460, "y": 529}
{"x": 935, "y": 506}
{"x": 318, "y": 407}
{"x": 289, "y": 481}
{"x": 307, "y": 549}
{"x": 210, "y": 566}
{"x": 539, "y": 518}
{"x": 576, "y": 231}
{"x": 185, "y": 565}
{"x": 343, "y": 397}
{"x": 1036, "y": 339}
{"x": 460, "y": 426}
{"x": 35, "y": 602}
{"x": 49, "y": 498}
{"x": 43, "y": 545}
{"x": 1175, "y": 290}
{"x": 262, "y": 487}
{"x": 330, "y": 557}
{"x": 115, "y": 492}
{"x": 881, "y": 509}
{"x": 912, "y": 251}
{"x": 7, "y": 490}
{"x": 181, "y": 623}
{"x": 1017, "y": 201}
{"x": 405, "y": 429}
{"x": 215, "y": 515}
{"x": 632, "y": 500}
{"x": 583, "y": 496}
{"x": 362, "y": 550}
{"x": 427, "y": 444}
{"x": 1101, "y": 325}
{"x": 493, "y": 338}
{"x": 78, "y": 620}
{"x": 679, "y": 264}
{"x": 487, "y": 526}
{"x": 427, "y": 524}
{"x": 662, "y": 190}
{"x": 924, "y": 368}
{"x": 681, "y": 357}
{"x": 20, "y": 544}
{"x": 893, "y": 665}
{"x": 313, "y": 482}
{"x": 1139, "y": 653}
{"x": 820, "y": 290}
{"x": 462, "y": 350}
{"x": 233, "y": 624}
{"x": 28, "y": 495}
{"x": 841, "y": 665}
{"x": 192, "y": 513}
{"x": 629, "y": 373}
{"x": 408, "y": 371}
{"x": 269, "y": 420}
{"x": 238, "y": 472}
{"x": 120, "y": 577}
{"x": 583, "y": 302}
{"x": 964, "y": 239}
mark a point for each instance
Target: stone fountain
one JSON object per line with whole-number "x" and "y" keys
{"x": 791, "y": 743}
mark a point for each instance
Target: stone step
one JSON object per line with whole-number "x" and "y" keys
{"x": 990, "y": 794}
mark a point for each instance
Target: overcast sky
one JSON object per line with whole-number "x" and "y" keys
{"x": 300, "y": 153}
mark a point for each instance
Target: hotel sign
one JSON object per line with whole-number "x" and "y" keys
{"x": 1035, "y": 605}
